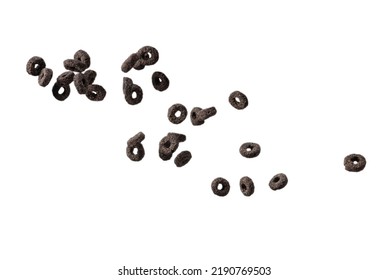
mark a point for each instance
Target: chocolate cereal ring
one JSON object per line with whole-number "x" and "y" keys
{"x": 246, "y": 186}
{"x": 160, "y": 81}
{"x": 182, "y": 158}
{"x": 238, "y": 100}
{"x": 169, "y": 144}
{"x": 90, "y": 76}
{"x": 45, "y": 77}
{"x": 35, "y": 65}
{"x": 220, "y": 186}
{"x": 135, "y": 152}
{"x": 198, "y": 115}
{"x": 82, "y": 56}
{"x": 177, "y": 109}
{"x": 61, "y": 96}
{"x": 354, "y": 162}
{"x": 95, "y": 92}
{"x": 74, "y": 65}
{"x": 250, "y": 150}
{"x": 278, "y": 181}
{"x": 66, "y": 78}
{"x": 148, "y": 55}
{"x": 130, "y": 62}
{"x": 81, "y": 83}
{"x": 133, "y": 93}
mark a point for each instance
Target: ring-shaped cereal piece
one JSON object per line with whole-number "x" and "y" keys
{"x": 61, "y": 96}
{"x": 66, "y": 78}
{"x": 250, "y": 150}
{"x": 354, "y": 162}
{"x": 279, "y": 181}
{"x": 133, "y": 94}
{"x": 246, "y": 186}
{"x": 220, "y": 186}
{"x": 74, "y": 65}
{"x": 238, "y": 100}
{"x": 90, "y": 76}
{"x": 45, "y": 77}
{"x": 35, "y": 65}
{"x": 182, "y": 158}
{"x": 148, "y": 55}
{"x": 160, "y": 81}
{"x": 172, "y": 113}
{"x": 82, "y": 56}
{"x": 95, "y": 92}
{"x": 135, "y": 152}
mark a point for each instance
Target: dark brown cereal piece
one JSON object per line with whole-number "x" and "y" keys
{"x": 195, "y": 116}
{"x": 160, "y": 81}
{"x": 95, "y": 92}
{"x": 220, "y": 186}
{"x": 173, "y": 110}
{"x": 130, "y": 62}
{"x": 169, "y": 144}
{"x": 165, "y": 154}
{"x": 182, "y": 158}
{"x": 82, "y": 56}
{"x": 148, "y": 55}
{"x": 35, "y": 65}
{"x": 166, "y": 148}
{"x": 139, "y": 65}
{"x": 90, "y": 76}
{"x": 74, "y": 65}
{"x": 81, "y": 83}
{"x": 178, "y": 137}
{"x": 66, "y": 78}
{"x": 127, "y": 83}
{"x": 246, "y": 186}
{"x": 45, "y": 77}
{"x": 250, "y": 150}
{"x": 238, "y": 100}
{"x": 278, "y": 181}
{"x": 61, "y": 96}
{"x": 137, "y": 138}
{"x": 133, "y": 93}
{"x": 354, "y": 162}
{"x": 198, "y": 115}
{"x": 135, "y": 152}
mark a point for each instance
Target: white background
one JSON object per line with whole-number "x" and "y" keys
{"x": 73, "y": 206}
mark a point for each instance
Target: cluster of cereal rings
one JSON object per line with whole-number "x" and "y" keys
{"x": 177, "y": 113}
{"x": 133, "y": 94}
{"x": 145, "y": 56}
{"x": 220, "y": 186}
{"x": 83, "y": 81}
